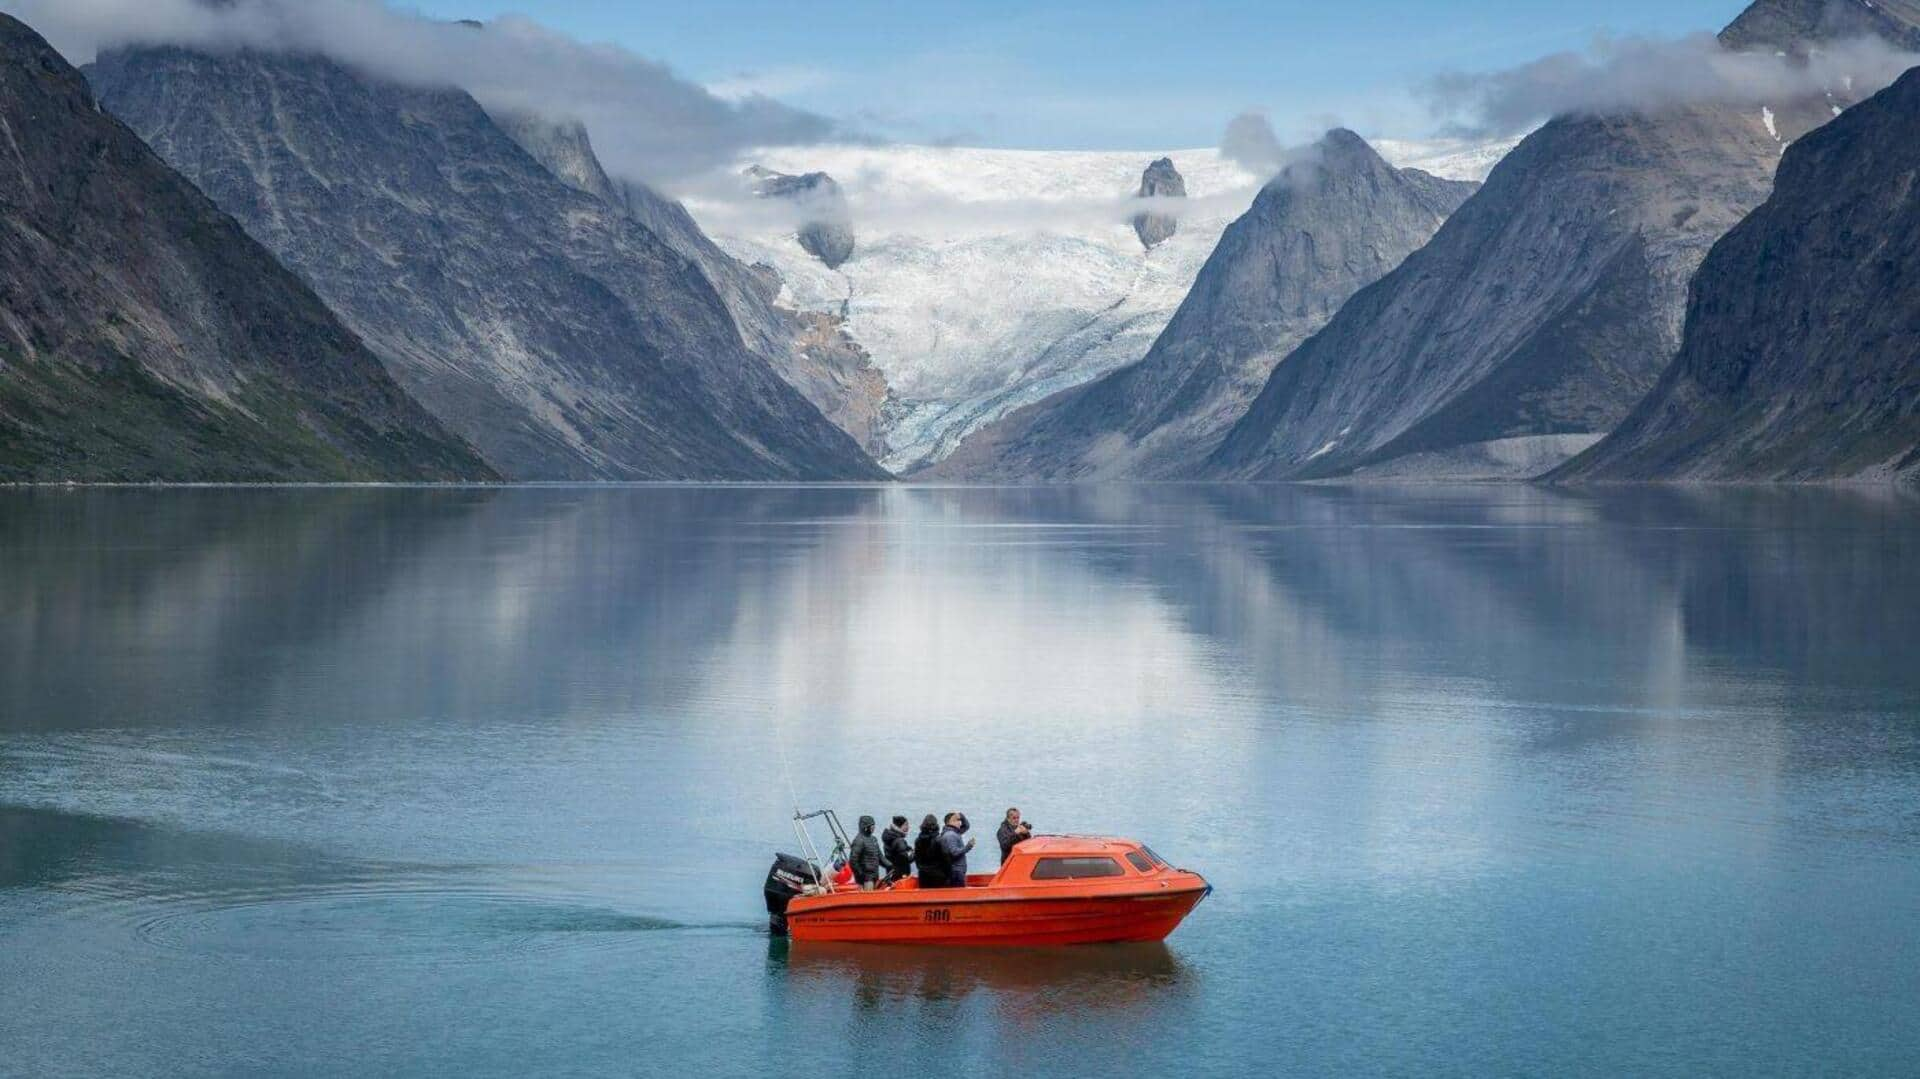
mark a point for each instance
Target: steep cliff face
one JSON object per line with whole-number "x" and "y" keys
{"x": 1160, "y": 181}
{"x": 1552, "y": 301}
{"x": 1546, "y": 306}
{"x": 145, "y": 336}
{"x": 809, "y": 349}
{"x": 555, "y": 330}
{"x": 565, "y": 149}
{"x": 1331, "y": 223}
{"x": 1801, "y": 359}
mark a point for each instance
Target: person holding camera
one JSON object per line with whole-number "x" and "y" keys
{"x": 1012, "y": 831}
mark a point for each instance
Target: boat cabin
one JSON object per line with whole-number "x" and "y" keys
{"x": 1067, "y": 859}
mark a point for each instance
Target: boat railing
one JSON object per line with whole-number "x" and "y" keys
{"x": 841, "y": 844}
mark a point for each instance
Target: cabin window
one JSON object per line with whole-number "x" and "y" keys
{"x": 1140, "y": 861}
{"x": 1075, "y": 868}
{"x": 1148, "y": 851}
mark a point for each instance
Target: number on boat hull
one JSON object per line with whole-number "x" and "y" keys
{"x": 938, "y": 916}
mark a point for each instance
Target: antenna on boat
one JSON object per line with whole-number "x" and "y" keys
{"x": 786, "y": 766}
{"x": 800, "y": 816}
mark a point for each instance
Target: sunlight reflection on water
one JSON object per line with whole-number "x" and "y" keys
{"x": 1489, "y": 779}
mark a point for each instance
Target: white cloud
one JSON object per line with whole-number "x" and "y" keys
{"x": 647, "y": 122}
{"x": 774, "y": 82}
{"x": 1636, "y": 73}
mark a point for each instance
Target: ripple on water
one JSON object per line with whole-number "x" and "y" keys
{"x": 387, "y": 920}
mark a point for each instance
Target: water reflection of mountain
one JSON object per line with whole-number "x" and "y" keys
{"x": 1423, "y": 644}
{"x": 850, "y": 610}
{"x": 1321, "y": 586}
{"x": 250, "y": 606}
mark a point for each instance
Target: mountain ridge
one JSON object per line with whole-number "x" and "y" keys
{"x": 1801, "y": 358}
{"x": 144, "y": 337}
{"x": 810, "y": 350}
{"x": 1550, "y": 304}
{"x": 557, "y": 332}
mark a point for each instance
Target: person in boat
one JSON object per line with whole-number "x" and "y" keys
{"x": 927, "y": 859}
{"x": 865, "y": 856}
{"x": 954, "y": 847}
{"x": 1012, "y": 831}
{"x": 897, "y": 851}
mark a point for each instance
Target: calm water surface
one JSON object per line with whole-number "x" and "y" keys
{"x": 1490, "y": 780}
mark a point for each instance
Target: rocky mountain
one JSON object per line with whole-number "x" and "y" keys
{"x": 1801, "y": 359}
{"x": 565, "y": 149}
{"x": 1332, "y": 222}
{"x": 824, "y": 231}
{"x": 1791, "y": 25}
{"x": 809, "y": 349}
{"x": 1545, "y": 308}
{"x": 555, "y": 330}
{"x": 1542, "y": 310}
{"x": 1160, "y": 180}
{"x": 144, "y": 336}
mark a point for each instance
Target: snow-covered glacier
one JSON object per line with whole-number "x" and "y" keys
{"x": 985, "y": 279}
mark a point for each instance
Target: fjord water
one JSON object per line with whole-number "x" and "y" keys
{"x": 1489, "y": 780}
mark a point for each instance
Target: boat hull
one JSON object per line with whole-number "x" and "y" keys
{"x": 991, "y": 916}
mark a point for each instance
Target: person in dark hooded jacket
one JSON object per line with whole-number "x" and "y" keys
{"x": 898, "y": 852}
{"x": 865, "y": 856}
{"x": 927, "y": 861}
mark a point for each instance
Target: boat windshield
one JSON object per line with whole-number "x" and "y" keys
{"x": 1074, "y": 868}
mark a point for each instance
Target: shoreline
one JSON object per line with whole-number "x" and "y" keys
{"x": 1888, "y": 483}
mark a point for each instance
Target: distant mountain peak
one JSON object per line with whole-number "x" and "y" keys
{"x": 1160, "y": 180}
{"x": 1346, "y": 139}
{"x": 1340, "y": 150}
{"x": 826, "y": 228}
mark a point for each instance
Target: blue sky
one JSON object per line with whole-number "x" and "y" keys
{"x": 1114, "y": 75}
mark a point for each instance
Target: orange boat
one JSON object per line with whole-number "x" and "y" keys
{"x": 1053, "y": 889}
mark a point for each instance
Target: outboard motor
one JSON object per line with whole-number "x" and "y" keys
{"x": 790, "y": 874}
